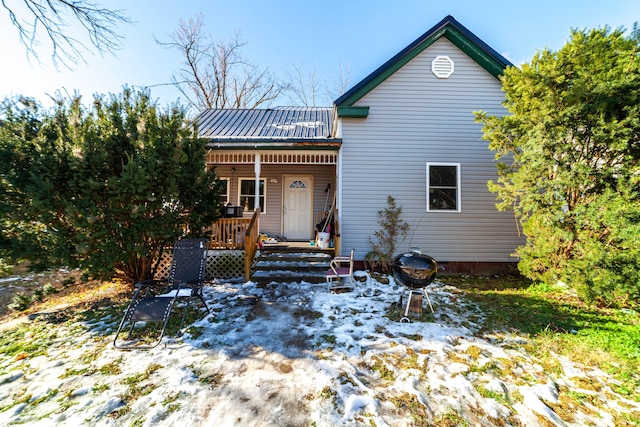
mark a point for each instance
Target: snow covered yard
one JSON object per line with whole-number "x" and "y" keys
{"x": 297, "y": 355}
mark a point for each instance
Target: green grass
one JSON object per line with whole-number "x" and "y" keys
{"x": 31, "y": 339}
{"x": 490, "y": 394}
{"x": 409, "y": 404}
{"x": 379, "y": 366}
{"x": 554, "y": 320}
{"x": 138, "y": 385}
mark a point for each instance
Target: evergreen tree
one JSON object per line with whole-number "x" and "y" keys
{"x": 103, "y": 188}
{"x": 569, "y": 151}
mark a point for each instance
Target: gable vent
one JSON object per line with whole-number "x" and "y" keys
{"x": 442, "y": 67}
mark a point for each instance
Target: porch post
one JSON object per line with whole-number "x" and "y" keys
{"x": 256, "y": 168}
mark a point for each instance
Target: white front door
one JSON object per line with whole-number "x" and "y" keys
{"x": 297, "y": 221}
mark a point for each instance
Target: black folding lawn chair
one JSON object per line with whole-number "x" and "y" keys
{"x": 185, "y": 281}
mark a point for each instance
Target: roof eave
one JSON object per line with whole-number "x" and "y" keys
{"x": 244, "y": 144}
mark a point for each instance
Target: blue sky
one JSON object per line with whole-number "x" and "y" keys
{"x": 358, "y": 35}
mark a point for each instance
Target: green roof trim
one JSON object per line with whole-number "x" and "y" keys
{"x": 351, "y": 112}
{"x": 493, "y": 67}
{"x": 452, "y": 30}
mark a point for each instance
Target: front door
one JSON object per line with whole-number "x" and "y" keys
{"x": 297, "y": 221}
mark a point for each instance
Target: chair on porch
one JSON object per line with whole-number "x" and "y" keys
{"x": 341, "y": 267}
{"x": 184, "y": 282}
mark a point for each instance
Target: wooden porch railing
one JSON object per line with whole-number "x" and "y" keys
{"x": 237, "y": 233}
{"x": 229, "y": 233}
{"x": 251, "y": 244}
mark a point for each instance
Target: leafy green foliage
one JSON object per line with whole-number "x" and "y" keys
{"x": 569, "y": 163}
{"x": 392, "y": 229}
{"x": 103, "y": 188}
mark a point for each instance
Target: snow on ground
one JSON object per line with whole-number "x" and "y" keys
{"x": 297, "y": 355}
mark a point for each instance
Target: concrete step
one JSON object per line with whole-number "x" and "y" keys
{"x": 290, "y": 266}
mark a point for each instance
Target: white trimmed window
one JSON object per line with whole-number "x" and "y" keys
{"x": 443, "y": 187}
{"x": 224, "y": 190}
{"x": 247, "y": 196}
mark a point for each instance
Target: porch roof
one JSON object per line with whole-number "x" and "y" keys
{"x": 280, "y": 126}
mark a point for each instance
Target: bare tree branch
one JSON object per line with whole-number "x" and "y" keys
{"x": 340, "y": 83}
{"x": 306, "y": 86}
{"x": 214, "y": 74}
{"x": 54, "y": 18}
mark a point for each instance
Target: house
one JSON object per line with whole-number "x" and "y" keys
{"x": 407, "y": 131}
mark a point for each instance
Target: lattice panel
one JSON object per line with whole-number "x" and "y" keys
{"x": 220, "y": 265}
{"x": 165, "y": 265}
{"x": 225, "y": 264}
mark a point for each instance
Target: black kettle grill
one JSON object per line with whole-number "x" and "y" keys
{"x": 415, "y": 271}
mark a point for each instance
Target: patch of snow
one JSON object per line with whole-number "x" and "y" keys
{"x": 291, "y": 354}
{"x": 532, "y": 401}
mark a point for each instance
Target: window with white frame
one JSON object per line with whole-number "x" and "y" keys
{"x": 247, "y": 196}
{"x": 224, "y": 190}
{"x": 443, "y": 187}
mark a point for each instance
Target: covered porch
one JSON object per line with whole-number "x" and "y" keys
{"x": 280, "y": 173}
{"x": 241, "y": 234}
{"x": 294, "y": 191}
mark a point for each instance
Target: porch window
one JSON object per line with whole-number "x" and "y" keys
{"x": 443, "y": 187}
{"x": 224, "y": 190}
{"x": 248, "y": 193}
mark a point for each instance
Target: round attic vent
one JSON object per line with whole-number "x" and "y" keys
{"x": 442, "y": 67}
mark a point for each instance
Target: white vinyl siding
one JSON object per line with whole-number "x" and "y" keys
{"x": 416, "y": 118}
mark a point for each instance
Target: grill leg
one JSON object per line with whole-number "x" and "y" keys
{"x": 405, "y": 318}
{"x": 428, "y": 299}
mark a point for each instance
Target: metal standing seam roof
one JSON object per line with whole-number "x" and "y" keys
{"x": 281, "y": 123}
